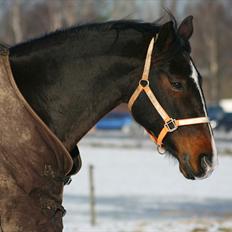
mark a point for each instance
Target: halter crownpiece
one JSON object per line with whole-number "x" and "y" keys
{"x": 170, "y": 124}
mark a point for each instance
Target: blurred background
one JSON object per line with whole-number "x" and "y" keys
{"x": 133, "y": 188}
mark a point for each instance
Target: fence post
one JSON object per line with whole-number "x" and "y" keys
{"x": 92, "y": 196}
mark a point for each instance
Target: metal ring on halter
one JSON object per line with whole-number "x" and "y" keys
{"x": 144, "y": 83}
{"x": 161, "y": 149}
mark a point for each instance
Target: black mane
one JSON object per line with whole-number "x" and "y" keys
{"x": 78, "y": 31}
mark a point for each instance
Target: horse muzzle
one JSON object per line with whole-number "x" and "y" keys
{"x": 201, "y": 170}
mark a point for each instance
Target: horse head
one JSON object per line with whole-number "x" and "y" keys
{"x": 169, "y": 102}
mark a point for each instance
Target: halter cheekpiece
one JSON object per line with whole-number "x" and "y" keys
{"x": 170, "y": 124}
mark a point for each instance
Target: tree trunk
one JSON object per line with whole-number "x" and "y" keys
{"x": 214, "y": 69}
{"x": 16, "y": 21}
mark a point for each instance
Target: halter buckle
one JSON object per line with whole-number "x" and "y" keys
{"x": 171, "y": 125}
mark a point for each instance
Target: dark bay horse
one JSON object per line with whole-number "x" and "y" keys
{"x": 72, "y": 78}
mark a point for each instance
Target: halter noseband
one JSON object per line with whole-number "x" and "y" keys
{"x": 170, "y": 124}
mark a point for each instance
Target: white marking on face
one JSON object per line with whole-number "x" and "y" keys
{"x": 194, "y": 76}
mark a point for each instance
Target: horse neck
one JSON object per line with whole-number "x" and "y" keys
{"x": 72, "y": 85}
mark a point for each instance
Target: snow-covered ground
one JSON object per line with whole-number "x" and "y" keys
{"x": 140, "y": 138}
{"x": 138, "y": 190}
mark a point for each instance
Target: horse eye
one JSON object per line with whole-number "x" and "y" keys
{"x": 177, "y": 85}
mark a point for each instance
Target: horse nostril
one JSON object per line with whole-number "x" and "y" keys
{"x": 206, "y": 161}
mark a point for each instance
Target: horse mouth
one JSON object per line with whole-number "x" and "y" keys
{"x": 204, "y": 171}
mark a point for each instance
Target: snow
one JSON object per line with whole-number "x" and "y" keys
{"x": 139, "y": 190}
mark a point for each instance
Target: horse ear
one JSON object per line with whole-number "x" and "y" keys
{"x": 167, "y": 35}
{"x": 185, "y": 29}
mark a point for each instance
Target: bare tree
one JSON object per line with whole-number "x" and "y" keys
{"x": 69, "y": 12}
{"x": 162, "y": 6}
{"x": 17, "y": 30}
{"x": 210, "y": 44}
{"x": 173, "y": 7}
{"x": 55, "y": 9}
{"x": 122, "y": 9}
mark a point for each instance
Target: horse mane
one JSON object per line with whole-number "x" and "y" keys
{"x": 59, "y": 36}
{"x": 64, "y": 33}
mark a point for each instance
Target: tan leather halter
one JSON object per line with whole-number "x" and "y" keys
{"x": 170, "y": 124}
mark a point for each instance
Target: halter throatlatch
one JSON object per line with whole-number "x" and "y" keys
{"x": 170, "y": 124}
